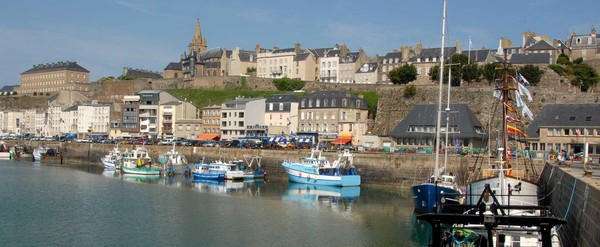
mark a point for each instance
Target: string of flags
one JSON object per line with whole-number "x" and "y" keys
{"x": 520, "y": 93}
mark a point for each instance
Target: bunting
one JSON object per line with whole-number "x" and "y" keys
{"x": 513, "y": 129}
{"x": 522, "y": 79}
{"x": 526, "y": 111}
{"x": 512, "y": 120}
{"x": 524, "y": 91}
{"x": 509, "y": 108}
{"x": 518, "y": 99}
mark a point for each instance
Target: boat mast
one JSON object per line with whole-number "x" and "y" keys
{"x": 439, "y": 112}
{"x": 505, "y": 89}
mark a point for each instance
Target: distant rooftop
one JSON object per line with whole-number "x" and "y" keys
{"x": 66, "y": 65}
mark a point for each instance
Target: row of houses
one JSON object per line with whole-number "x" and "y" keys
{"x": 338, "y": 64}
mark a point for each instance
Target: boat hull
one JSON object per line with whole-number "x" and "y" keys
{"x": 5, "y": 156}
{"x": 210, "y": 176}
{"x": 141, "y": 170}
{"x": 297, "y": 176}
{"x": 428, "y": 196}
{"x": 108, "y": 163}
{"x": 525, "y": 196}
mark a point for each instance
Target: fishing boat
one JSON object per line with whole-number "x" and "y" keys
{"x": 4, "y": 151}
{"x": 253, "y": 169}
{"x": 209, "y": 171}
{"x": 217, "y": 170}
{"x": 113, "y": 158}
{"x": 439, "y": 188}
{"x": 47, "y": 155}
{"x": 316, "y": 169}
{"x": 19, "y": 152}
{"x": 138, "y": 161}
{"x": 174, "y": 162}
{"x": 37, "y": 153}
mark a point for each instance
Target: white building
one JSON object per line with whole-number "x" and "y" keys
{"x": 240, "y": 114}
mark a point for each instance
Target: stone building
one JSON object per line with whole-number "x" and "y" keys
{"x": 425, "y": 59}
{"x": 335, "y": 112}
{"x": 240, "y": 62}
{"x": 418, "y": 128}
{"x": 566, "y": 127}
{"x": 349, "y": 64}
{"x": 211, "y": 122}
{"x": 367, "y": 73}
{"x": 584, "y": 46}
{"x": 173, "y": 71}
{"x": 54, "y": 77}
{"x": 140, "y": 74}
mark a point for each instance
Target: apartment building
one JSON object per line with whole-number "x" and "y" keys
{"x": 281, "y": 114}
{"x": 242, "y": 115}
{"x": 54, "y": 77}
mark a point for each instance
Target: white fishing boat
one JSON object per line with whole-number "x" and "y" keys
{"x": 317, "y": 170}
{"x": 174, "y": 162}
{"x": 4, "y": 151}
{"x": 113, "y": 158}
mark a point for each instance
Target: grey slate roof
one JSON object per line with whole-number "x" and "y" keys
{"x": 246, "y": 55}
{"x": 276, "y": 99}
{"x": 542, "y": 45}
{"x": 8, "y": 88}
{"x": 393, "y": 55}
{"x": 302, "y": 57}
{"x": 71, "y": 66}
{"x": 565, "y": 115}
{"x": 426, "y": 115}
{"x": 433, "y": 53}
{"x": 338, "y": 96}
{"x": 477, "y": 56}
{"x": 350, "y": 57}
{"x": 284, "y": 50}
{"x": 372, "y": 68}
{"x": 173, "y": 66}
{"x": 530, "y": 58}
{"x": 211, "y": 53}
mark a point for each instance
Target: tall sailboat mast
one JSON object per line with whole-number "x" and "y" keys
{"x": 439, "y": 112}
{"x": 505, "y": 92}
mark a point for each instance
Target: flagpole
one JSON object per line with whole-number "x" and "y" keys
{"x": 469, "y": 58}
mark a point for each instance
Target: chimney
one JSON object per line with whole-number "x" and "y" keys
{"x": 344, "y": 50}
{"x": 593, "y": 32}
{"x": 297, "y": 48}
{"x": 257, "y": 48}
{"x": 336, "y": 47}
{"x": 419, "y": 48}
{"x": 405, "y": 52}
{"x": 458, "y": 47}
{"x": 395, "y": 50}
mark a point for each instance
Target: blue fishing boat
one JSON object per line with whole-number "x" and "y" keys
{"x": 318, "y": 170}
{"x": 216, "y": 170}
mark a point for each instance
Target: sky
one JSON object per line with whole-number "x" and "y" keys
{"x": 105, "y": 36}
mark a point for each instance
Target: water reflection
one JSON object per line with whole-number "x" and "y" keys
{"x": 250, "y": 187}
{"x": 335, "y": 198}
{"x": 421, "y": 230}
{"x": 150, "y": 179}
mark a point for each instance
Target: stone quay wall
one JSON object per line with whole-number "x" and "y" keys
{"x": 576, "y": 199}
{"x": 374, "y": 168}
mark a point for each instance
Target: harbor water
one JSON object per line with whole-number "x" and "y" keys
{"x": 48, "y": 205}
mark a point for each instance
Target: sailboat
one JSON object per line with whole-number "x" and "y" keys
{"x": 502, "y": 204}
{"x": 440, "y": 188}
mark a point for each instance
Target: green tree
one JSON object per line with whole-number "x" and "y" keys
{"x": 563, "y": 59}
{"x": 410, "y": 91}
{"x": 585, "y": 76}
{"x": 403, "y": 75}
{"x": 250, "y": 69}
{"x": 287, "y": 84}
{"x": 471, "y": 72}
{"x": 434, "y": 73}
{"x": 532, "y": 73}
{"x": 578, "y": 61}
{"x": 490, "y": 72}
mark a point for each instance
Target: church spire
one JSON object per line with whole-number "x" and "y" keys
{"x": 198, "y": 42}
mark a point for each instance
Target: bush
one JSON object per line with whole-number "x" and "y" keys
{"x": 557, "y": 68}
{"x": 287, "y": 84}
{"x": 563, "y": 59}
{"x": 410, "y": 91}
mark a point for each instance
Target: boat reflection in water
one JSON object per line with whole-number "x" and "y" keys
{"x": 334, "y": 197}
{"x": 110, "y": 172}
{"x": 136, "y": 178}
{"x": 228, "y": 187}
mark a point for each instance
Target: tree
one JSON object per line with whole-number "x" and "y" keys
{"x": 563, "y": 59}
{"x": 490, "y": 72}
{"x": 287, "y": 84}
{"x": 557, "y": 68}
{"x": 532, "y": 73}
{"x": 250, "y": 69}
{"x": 471, "y": 72}
{"x": 403, "y": 75}
{"x": 434, "y": 73}
{"x": 585, "y": 75}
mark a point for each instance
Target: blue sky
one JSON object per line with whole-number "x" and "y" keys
{"x": 105, "y": 36}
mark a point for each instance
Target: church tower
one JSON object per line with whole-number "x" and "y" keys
{"x": 198, "y": 42}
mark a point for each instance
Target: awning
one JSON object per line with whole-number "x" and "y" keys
{"x": 208, "y": 137}
{"x": 342, "y": 140}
